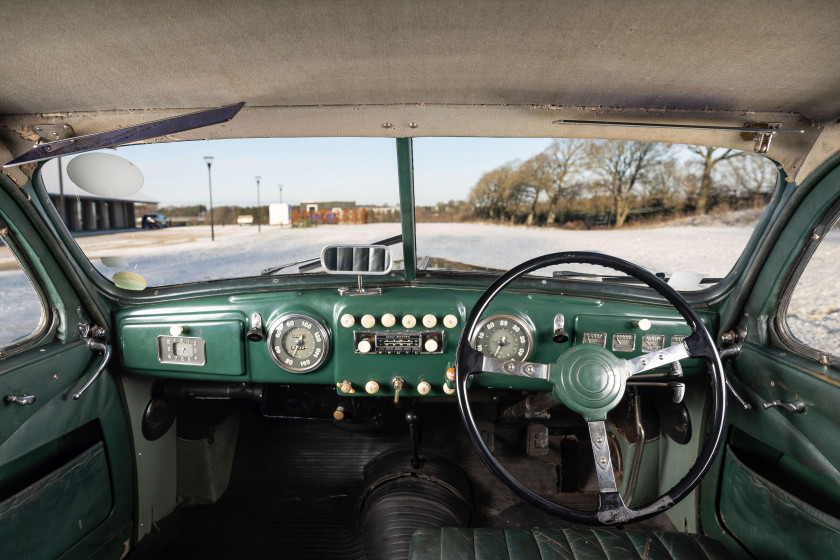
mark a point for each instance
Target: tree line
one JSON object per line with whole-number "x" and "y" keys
{"x": 604, "y": 182}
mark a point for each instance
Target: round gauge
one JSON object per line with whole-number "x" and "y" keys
{"x": 504, "y": 337}
{"x": 298, "y": 343}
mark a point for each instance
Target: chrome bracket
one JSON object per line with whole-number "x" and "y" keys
{"x": 53, "y": 132}
{"x": 360, "y": 290}
{"x": 764, "y": 134}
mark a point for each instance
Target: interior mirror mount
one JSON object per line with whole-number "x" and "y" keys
{"x": 361, "y": 260}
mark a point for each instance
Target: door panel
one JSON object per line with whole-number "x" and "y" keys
{"x": 65, "y": 464}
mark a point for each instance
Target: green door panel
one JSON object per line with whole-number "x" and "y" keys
{"x": 790, "y": 527}
{"x": 67, "y": 505}
{"x": 35, "y": 441}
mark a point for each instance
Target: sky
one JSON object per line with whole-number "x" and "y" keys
{"x": 359, "y": 169}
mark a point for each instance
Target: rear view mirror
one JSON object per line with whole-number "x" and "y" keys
{"x": 105, "y": 175}
{"x": 372, "y": 260}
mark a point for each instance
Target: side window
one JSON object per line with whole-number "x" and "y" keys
{"x": 813, "y": 312}
{"x": 21, "y": 308}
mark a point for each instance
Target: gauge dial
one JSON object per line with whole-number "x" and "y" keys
{"x": 298, "y": 343}
{"x": 504, "y": 337}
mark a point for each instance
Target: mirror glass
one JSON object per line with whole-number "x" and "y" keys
{"x": 356, "y": 259}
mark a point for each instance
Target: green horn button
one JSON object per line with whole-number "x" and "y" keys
{"x": 588, "y": 379}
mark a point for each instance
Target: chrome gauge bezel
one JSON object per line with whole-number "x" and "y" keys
{"x": 317, "y": 327}
{"x": 529, "y": 335}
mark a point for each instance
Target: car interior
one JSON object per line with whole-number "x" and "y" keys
{"x": 380, "y": 380}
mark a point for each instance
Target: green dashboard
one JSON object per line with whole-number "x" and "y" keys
{"x": 361, "y": 343}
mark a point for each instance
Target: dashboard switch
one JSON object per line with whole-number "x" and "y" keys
{"x": 176, "y": 330}
{"x": 409, "y": 321}
{"x": 388, "y": 320}
{"x": 450, "y": 321}
{"x": 560, "y": 335}
{"x": 346, "y": 387}
{"x": 347, "y": 320}
{"x": 429, "y": 321}
{"x": 256, "y": 332}
{"x": 368, "y": 321}
{"x": 424, "y": 388}
{"x": 398, "y": 383}
{"x": 371, "y": 387}
{"x": 339, "y": 413}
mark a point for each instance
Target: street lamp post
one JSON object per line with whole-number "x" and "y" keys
{"x": 209, "y": 160}
{"x": 258, "y": 202}
{"x": 281, "y": 193}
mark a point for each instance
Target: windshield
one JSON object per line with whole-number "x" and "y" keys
{"x": 482, "y": 204}
{"x": 684, "y": 212}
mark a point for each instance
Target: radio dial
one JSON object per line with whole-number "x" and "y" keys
{"x": 364, "y": 346}
{"x": 431, "y": 345}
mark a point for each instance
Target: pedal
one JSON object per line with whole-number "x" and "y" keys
{"x": 487, "y": 431}
{"x": 537, "y": 439}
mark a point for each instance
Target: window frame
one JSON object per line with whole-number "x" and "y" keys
{"x": 44, "y": 325}
{"x": 786, "y": 336}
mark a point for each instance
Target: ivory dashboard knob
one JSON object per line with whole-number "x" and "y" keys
{"x": 368, "y": 321}
{"x": 643, "y": 324}
{"x": 388, "y": 320}
{"x": 431, "y": 345}
{"x": 409, "y": 321}
{"x": 371, "y": 387}
{"x": 450, "y": 321}
{"x": 429, "y": 321}
{"x": 176, "y": 330}
{"x": 364, "y": 346}
{"x": 347, "y": 320}
{"x": 424, "y": 387}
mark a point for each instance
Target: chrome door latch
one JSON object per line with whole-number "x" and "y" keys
{"x": 22, "y": 400}
{"x": 94, "y": 337}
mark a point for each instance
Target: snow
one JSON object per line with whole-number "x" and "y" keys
{"x": 177, "y": 255}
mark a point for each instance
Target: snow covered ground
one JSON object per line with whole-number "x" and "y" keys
{"x": 177, "y": 255}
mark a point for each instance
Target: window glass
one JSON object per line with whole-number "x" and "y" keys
{"x": 494, "y": 203}
{"x": 21, "y": 309}
{"x": 813, "y": 313}
{"x": 274, "y": 202}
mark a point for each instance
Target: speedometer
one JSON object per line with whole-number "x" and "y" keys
{"x": 504, "y": 337}
{"x": 298, "y": 343}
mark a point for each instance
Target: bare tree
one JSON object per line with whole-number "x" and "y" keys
{"x": 753, "y": 176}
{"x": 710, "y": 157}
{"x": 498, "y": 193}
{"x": 623, "y": 166}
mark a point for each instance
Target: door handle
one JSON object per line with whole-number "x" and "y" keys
{"x": 22, "y": 400}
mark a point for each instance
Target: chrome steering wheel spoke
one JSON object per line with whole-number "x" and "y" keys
{"x": 531, "y": 370}
{"x": 601, "y": 453}
{"x": 657, "y": 359}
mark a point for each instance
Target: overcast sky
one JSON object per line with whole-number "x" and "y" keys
{"x": 360, "y": 169}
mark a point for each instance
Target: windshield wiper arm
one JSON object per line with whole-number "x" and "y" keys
{"x": 619, "y": 278}
{"x": 311, "y": 264}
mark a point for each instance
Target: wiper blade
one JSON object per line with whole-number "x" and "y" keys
{"x": 311, "y": 264}
{"x": 120, "y": 136}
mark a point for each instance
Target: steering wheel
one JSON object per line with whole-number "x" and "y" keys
{"x": 591, "y": 381}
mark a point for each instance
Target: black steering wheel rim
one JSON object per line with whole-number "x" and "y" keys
{"x": 611, "y": 509}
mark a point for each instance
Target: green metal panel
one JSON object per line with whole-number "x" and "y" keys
{"x": 223, "y": 335}
{"x": 405, "y": 165}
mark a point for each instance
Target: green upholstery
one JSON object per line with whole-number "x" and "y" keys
{"x": 451, "y": 543}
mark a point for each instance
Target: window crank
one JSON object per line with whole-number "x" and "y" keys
{"x": 22, "y": 400}
{"x": 796, "y": 407}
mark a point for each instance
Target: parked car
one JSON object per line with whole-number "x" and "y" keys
{"x": 495, "y": 375}
{"x": 154, "y": 221}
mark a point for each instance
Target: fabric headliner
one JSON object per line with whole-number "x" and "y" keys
{"x": 716, "y": 55}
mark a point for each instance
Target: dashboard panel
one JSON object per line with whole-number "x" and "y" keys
{"x": 361, "y": 344}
